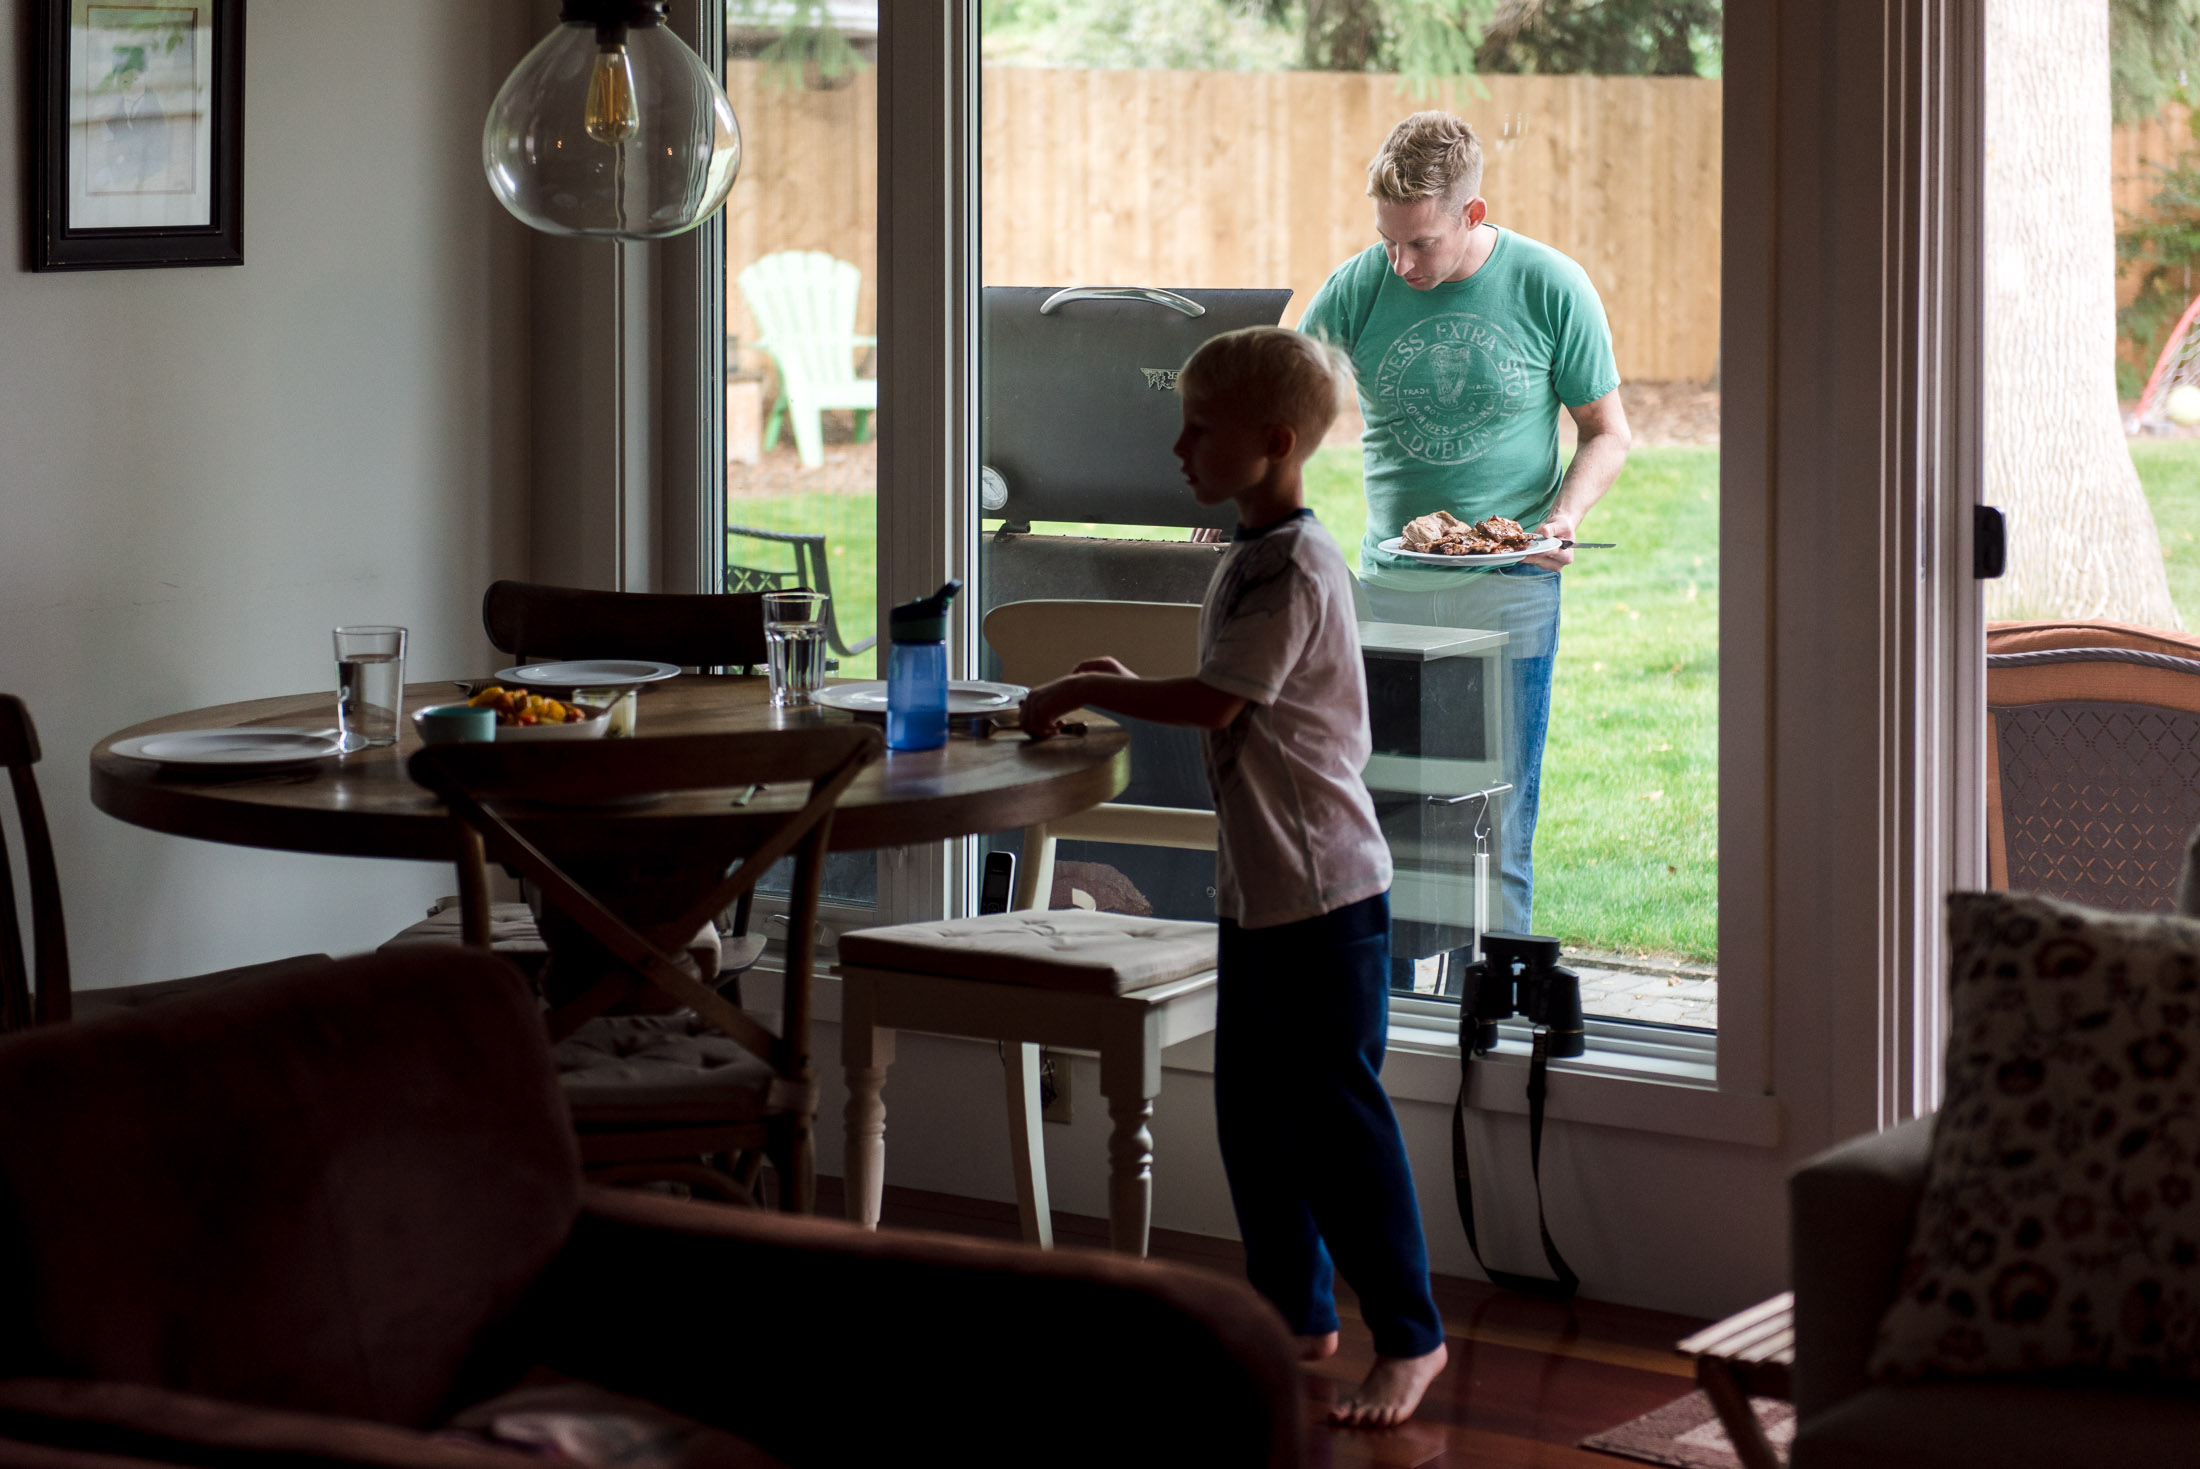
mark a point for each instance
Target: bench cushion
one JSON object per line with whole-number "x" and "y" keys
{"x": 1058, "y": 949}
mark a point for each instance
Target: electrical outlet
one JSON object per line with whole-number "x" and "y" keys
{"x": 1054, "y": 1097}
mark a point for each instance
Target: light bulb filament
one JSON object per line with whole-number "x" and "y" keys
{"x": 611, "y": 116}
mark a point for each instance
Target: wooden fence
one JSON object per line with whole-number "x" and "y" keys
{"x": 2138, "y": 149}
{"x": 1258, "y": 179}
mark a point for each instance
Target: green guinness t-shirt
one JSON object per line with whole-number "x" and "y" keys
{"x": 1461, "y": 386}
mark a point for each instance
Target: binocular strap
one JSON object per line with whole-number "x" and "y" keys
{"x": 1561, "y": 1288}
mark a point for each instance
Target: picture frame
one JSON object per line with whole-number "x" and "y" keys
{"x": 137, "y": 134}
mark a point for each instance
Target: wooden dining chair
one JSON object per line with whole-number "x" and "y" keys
{"x": 1124, "y": 985}
{"x": 2092, "y": 761}
{"x": 39, "y": 992}
{"x": 701, "y": 1092}
{"x": 533, "y": 622}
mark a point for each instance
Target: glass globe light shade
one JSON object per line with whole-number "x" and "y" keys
{"x": 612, "y": 128}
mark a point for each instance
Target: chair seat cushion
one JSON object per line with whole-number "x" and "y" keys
{"x": 512, "y": 933}
{"x": 1058, "y": 949}
{"x": 626, "y": 1069}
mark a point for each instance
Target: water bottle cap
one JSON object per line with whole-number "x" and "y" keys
{"x": 925, "y": 619}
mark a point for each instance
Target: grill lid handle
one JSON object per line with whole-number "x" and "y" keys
{"x": 1159, "y": 297}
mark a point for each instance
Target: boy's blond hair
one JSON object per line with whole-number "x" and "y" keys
{"x": 1274, "y": 376}
{"x": 1431, "y": 155}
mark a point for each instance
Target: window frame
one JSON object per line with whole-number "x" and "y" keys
{"x": 1862, "y": 1000}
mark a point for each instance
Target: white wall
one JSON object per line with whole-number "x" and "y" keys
{"x": 202, "y": 471}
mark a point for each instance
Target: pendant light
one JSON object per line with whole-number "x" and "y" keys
{"x": 612, "y": 128}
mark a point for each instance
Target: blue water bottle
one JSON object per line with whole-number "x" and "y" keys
{"x": 916, "y": 672}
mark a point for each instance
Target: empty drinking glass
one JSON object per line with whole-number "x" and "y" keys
{"x": 794, "y": 629}
{"x": 370, "y": 684}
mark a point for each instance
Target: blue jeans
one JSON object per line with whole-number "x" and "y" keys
{"x": 1520, "y": 601}
{"x": 1318, "y": 1171}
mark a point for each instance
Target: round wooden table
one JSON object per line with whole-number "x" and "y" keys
{"x": 364, "y": 804}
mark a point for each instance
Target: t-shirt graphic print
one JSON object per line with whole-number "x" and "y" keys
{"x": 1451, "y": 384}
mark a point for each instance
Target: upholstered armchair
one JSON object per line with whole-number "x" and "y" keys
{"x": 337, "y": 1218}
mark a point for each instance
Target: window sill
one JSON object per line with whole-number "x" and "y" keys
{"x": 1664, "y": 1094}
{"x": 1640, "y": 1093}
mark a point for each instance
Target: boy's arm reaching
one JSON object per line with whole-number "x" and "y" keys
{"x": 1104, "y": 683}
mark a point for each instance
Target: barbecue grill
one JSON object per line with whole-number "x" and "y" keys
{"x": 1079, "y": 414}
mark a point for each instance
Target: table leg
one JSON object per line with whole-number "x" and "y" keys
{"x": 1736, "y": 1415}
{"x": 866, "y": 1051}
{"x": 1027, "y": 1142}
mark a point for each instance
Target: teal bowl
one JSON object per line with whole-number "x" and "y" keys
{"x": 456, "y": 724}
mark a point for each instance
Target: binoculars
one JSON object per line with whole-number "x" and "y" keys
{"x": 1520, "y": 972}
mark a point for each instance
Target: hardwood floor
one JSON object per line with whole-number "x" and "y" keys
{"x": 1527, "y": 1379}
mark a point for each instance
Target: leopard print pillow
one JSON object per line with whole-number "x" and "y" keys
{"x": 2060, "y": 1226}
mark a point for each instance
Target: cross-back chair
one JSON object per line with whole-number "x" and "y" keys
{"x": 1123, "y": 985}
{"x": 534, "y": 621}
{"x": 40, "y": 992}
{"x": 655, "y": 1095}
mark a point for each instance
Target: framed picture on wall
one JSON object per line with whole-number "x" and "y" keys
{"x": 137, "y": 134}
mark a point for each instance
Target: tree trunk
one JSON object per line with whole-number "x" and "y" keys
{"x": 2081, "y": 535}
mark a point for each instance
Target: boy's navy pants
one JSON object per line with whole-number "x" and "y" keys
{"x": 1317, "y": 1169}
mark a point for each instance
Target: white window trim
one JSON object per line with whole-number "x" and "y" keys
{"x": 691, "y": 540}
{"x": 928, "y": 367}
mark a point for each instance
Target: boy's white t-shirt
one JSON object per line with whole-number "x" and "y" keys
{"x": 1299, "y": 836}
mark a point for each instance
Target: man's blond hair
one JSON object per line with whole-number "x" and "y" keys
{"x": 1272, "y": 376}
{"x": 1431, "y": 155}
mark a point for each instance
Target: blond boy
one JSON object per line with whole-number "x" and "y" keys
{"x": 1318, "y": 1171}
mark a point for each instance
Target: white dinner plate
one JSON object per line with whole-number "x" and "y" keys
{"x": 1396, "y": 546}
{"x": 261, "y": 748}
{"x": 964, "y": 696}
{"x": 589, "y": 673}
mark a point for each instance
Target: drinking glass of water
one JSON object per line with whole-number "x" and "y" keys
{"x": 370, "y": 684}
{"x": 794, "y": 627}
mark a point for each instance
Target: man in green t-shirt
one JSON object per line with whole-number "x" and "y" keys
{"x": 1467, "y": 340}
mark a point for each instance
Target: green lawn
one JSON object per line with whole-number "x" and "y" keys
{"x": 2170, "y": 470}
{"x": 1626, "y": 853}
{"x": 1626, "y": 848}
{"x": 850, "y": 524}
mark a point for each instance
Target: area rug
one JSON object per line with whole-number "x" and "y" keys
{"x": 1687, "y": 1433}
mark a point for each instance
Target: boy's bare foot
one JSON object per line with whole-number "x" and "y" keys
{"x": 1390, "y": 1392}
{"x": 1314, "y": 1348}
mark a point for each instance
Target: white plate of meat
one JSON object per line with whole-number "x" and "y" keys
{"x": 1442, "y": 539}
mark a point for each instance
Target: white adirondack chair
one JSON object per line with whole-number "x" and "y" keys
{"x": 805, "y": 302}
